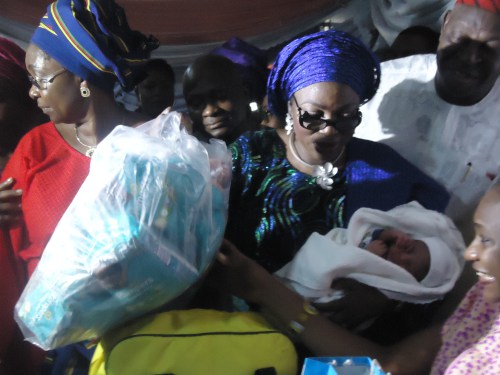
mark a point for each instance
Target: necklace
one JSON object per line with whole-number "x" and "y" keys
{"x": 90, "y": 150}
{"x": 323, "y": 173}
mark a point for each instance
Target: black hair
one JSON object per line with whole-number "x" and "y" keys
{"x": 216, "y": 68}
{"x": 161, "y": 65}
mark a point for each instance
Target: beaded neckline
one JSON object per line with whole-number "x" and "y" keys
{"x": 323, "y": 174}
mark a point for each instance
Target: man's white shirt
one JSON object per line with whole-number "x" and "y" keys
{"x": 458, "y": 146}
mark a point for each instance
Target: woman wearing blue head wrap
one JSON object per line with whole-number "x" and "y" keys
{"x": 313, "y": 175}
{"x": 331, "y": 56}
{"x": 79, "y": 50}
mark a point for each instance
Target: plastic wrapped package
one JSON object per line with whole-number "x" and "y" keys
{"x": 144, "y": 226}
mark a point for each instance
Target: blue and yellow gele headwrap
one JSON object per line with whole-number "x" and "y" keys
{"x": 326, "y": 56}
{"x": 92, "y": 39}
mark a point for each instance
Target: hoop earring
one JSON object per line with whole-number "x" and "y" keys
{"x": 84, "y": 91}
{"x": 289, "y": 124}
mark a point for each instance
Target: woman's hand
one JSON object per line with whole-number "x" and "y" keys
{"x": 10, "y": 203}
{"x": 359, "y": 303}
{"x": 239, "y": 274}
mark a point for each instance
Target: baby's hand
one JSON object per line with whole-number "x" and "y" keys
{"x": 402, "y": 239}
{"x": 395, "y": 236}
{"x": 377, "y": 247}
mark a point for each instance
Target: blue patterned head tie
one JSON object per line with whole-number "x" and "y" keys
{"x": 92, "y": 39}
{"x": 326, "y": 56}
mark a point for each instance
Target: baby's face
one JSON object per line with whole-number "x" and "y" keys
{"x": 413, "y": 257}
{"x": 399, "y": 248}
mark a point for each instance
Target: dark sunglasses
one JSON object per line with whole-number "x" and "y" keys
{"x": 346, "y": 123}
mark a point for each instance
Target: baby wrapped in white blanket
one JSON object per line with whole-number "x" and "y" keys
{"x": 340, "y": 254}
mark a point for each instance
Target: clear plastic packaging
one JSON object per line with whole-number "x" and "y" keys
{"x": 144, "y": 226}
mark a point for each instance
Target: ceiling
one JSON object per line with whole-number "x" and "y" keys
{"x": 190, "y": 27}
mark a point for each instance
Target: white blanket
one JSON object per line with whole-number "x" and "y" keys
{"x": 322, "y": 259}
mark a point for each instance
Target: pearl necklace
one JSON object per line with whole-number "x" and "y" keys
{"x": 90, "y": 150}
{"x": 323, "y": 173}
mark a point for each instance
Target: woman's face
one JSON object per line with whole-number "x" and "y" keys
{"x": 484, "y": 251}
{"x": 329, "y": 100}
{"x": 59, "y": 95}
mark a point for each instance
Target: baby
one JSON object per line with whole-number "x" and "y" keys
{"x": 409, "y": 253}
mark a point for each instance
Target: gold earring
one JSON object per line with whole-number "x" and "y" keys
{"x": 84, "y": 91}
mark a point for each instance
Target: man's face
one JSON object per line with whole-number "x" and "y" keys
{"x": 468, "y": 56}
{"x": 218, "y": 111}
{"x": 216, "y": 99}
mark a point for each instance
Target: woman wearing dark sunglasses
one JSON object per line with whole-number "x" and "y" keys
{"x": 313, "y": 175}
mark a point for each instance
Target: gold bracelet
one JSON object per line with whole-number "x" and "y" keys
{"x": 297, "y": 325}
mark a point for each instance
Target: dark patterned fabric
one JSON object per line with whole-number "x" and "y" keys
{"x": 274, "y": 208}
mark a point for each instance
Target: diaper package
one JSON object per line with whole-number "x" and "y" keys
{"x": 144, "y": 226}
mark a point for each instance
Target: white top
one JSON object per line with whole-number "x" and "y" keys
{"x": 458, "y": 146}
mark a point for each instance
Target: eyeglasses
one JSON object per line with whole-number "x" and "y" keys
{"x": 41, "y": 83}
{"x": 347, "y": 122}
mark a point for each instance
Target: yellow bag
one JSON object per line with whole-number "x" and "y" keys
{"x": 191, "y": 342}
